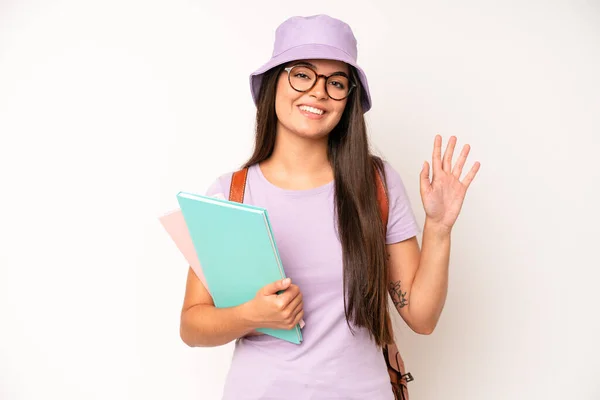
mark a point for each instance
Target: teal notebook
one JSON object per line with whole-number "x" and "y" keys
{"x": 236, "y": 249}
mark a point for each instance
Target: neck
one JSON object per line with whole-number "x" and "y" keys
{"x": 297, "y": 162}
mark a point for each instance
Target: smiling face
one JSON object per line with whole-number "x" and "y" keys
{"x": 311, "y": 114}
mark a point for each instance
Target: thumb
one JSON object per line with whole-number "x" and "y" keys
{"x": 425, "y": 177}
{"x": 276, "y": 286}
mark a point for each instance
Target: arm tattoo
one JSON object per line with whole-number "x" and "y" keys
{"x": 398, "y": 297}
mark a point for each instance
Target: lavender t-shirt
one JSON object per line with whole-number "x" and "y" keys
{"x": 330, "y": 363}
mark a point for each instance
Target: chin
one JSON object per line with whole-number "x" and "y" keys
{"x": 311, "y": 133}
{"x": 315, "y": 130}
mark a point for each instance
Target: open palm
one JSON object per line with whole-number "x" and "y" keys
{"x": 443, "y": 195}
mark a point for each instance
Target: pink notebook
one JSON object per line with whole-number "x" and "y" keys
{"x": 175, "y": 225}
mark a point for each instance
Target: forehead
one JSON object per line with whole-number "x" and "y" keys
{"x": 324, "y": 66}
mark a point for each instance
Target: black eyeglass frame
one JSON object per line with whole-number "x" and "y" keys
{"x": 352, "y": 84}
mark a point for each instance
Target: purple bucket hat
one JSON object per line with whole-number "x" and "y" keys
{"x": 314, "y": 37}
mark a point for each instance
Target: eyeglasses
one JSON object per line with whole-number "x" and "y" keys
{"x": 303, "y": 78}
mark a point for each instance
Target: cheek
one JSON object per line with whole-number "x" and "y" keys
{"x": 339, "y": 111}
{"x": 284, "y": 99}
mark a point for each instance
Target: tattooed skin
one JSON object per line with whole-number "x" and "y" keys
{"x": 398, "y": 297}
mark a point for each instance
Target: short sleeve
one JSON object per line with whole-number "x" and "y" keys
{"x": 220, "y": 186}
{"x": 402, "y": 223}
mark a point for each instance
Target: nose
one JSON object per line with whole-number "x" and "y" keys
{"x": 319, "y": 91}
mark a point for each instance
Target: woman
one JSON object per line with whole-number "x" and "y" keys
{"x": 313, "y": 171}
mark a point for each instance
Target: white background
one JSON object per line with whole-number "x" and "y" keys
{"x": 109, "y": 108}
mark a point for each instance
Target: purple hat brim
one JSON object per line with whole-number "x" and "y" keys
{"x": 306, "y": 52}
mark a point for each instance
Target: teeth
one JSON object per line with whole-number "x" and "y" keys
{"x": 312, "y": 110}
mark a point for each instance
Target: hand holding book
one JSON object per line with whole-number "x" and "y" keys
{"x": 277, "y": 305}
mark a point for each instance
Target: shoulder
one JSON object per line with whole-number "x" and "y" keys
{"x": 393, "y": 179}
{"x": 222, "y": 184}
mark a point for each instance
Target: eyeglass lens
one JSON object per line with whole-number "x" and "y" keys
{"x": 303, "y": 78}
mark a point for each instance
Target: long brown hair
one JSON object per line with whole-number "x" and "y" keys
{"x": 360, "y": 227}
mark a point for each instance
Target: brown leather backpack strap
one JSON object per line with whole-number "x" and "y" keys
{"x": 238, "y": 185}
{"x": 382, "y": 198}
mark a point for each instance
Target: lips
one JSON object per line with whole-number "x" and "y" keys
{"x": 312, "y": 110}
{"x": 311, "y": 113}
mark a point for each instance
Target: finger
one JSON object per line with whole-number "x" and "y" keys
{"x": 295, "y": 305}
{"x": 276, "y": 286}
{"x": 425, "y": 182}
{"x": 436, "y": 161}
{"x": 289, "y": 302}
{"x": 471, "y": 175}
{"x": 298, "y": 318}
{"x": 284, "y": 299}
{"x": 299, "y": 307}
{"x": 458, "y": 167}
{"x": 447, "y": 163}
{"x": 290, "y": 313}
{"x": 292, "y": 292}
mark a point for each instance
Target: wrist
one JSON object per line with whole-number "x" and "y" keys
{"x": 247, "y": 316}
{"x": 437, "y": 229}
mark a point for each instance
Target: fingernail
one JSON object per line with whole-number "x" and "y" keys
{"x": 286, "y": 281}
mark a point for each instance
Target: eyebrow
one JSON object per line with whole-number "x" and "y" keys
{"x": 306, "y": 63}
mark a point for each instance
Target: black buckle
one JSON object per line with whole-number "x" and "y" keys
{"x": 408, "y": 377}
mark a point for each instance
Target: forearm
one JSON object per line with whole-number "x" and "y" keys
{"x": 430, "y": 285}
{"x": 208, "y": 326}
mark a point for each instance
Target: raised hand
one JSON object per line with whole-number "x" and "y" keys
{"x": 443, "y": 195}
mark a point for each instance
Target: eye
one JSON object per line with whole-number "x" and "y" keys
{"x": 301, "y": 75}
{"x": 338, "y": 84}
